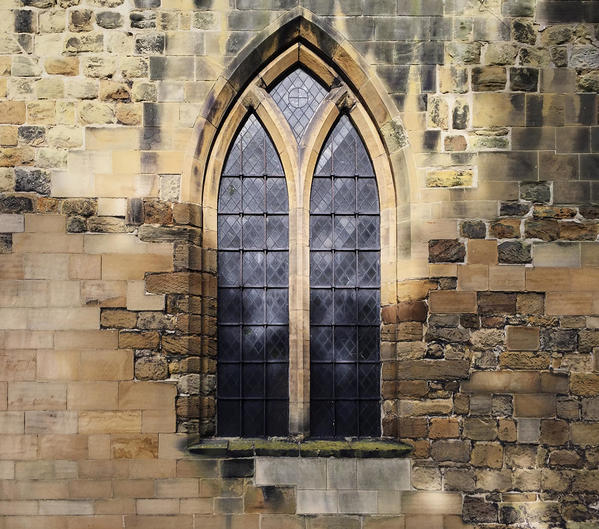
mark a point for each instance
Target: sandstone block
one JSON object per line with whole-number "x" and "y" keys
{"x": 12, "y": 112}
{"x": 452, "y": 302}
{"x": 443, "y": 428}
{"x": 146, "y": 395}
{"x": 473, "y": 277}
{"x": 92, "y": 396}
{"x": 534, "y": 405}
{"x": 584, "y": 384}
{"x": 446, "y": 250}
{"x": 134, "y": 446}
{"x": 487, "y": 455}
{"x": 523, "y": 338}
{"x": 117, "y": 422}
{"x": 36, "y": 396}
{"x": 451, "y": 450}
{"x": 584, "y": 434}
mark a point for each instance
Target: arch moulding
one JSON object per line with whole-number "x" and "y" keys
{"x": 299, "y": 37}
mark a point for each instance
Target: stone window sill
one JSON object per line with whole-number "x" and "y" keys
{"x": 359, "y": 448}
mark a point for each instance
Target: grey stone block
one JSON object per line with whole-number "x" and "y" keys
{"x": 317, "y": 501}
{"x": 276, "y": 471}
{"x": 384, "y": 474}
{"x": 358, "y": 502}
{"x": 312, "y": 473}
{"x": 529, "y": 430}
{"x": 556, "y": 254}
{"x": 342, "y": 473}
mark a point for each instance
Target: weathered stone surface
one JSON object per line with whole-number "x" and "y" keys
{"x": 474, "y": 229}
{"x": 151, "y": 368}
{"x": 446, "y": 250}
{"x": 477, "y": 510}
{"x": 514, "y": 252}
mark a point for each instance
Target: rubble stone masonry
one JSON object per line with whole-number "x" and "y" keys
{"x": 490, "y": 351}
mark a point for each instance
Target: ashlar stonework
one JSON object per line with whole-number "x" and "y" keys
{"x": 481, "y": 122}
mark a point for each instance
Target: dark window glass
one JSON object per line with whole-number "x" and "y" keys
{"x": 253, "y": 270}
{"x": 344, "y": 290}
{"x": 298, "y": 95}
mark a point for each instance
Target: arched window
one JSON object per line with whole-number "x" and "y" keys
{"x": 299, "y": 261}
{"x": 253, "y": 314}
{"x": 344, "y": 290}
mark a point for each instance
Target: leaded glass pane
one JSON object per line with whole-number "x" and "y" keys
{"x": 253, "y": 343}
{"x": 298, "y": 95}
{"x": 253, "y": 269}
{"x": 230, "y": 339}
{"x": 321, "y": 197}
{"x": 344, "y": 290}
{"x": 229, "y": 265}
{"x": 253, "y": 316}
{"x": 277, "y": 412}
{"x": 277, "y": 269}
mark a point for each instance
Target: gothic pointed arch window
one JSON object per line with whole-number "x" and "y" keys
{"x": 299, "y": 262}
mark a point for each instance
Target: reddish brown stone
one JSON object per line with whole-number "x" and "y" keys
{"x": 446, "y": 251}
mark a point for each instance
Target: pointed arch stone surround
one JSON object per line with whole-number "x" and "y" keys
{"x": 243, "y": 88}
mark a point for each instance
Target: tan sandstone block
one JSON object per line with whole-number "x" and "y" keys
{"x": 543, "y": 279}
{"x": 569, "y": 303}
{"x": 123, "y": 266}
{"x": 13, "y": 318}
{"x": 90, "y": 488}
{"x": 45, "y": 422}
{"x": 59, "y": 446}
{"x": 481, "y": 251}
{"x": 162, "y": 421}
{"x": 11, "y": 267}
{"x": 473, "y": 277}
{"x": 28, "y": 340}
{"x": 18, "y": 446}
{"x": 134, "y": 446}
{"x": 94, "y": 422}
{"x": 446, "y": 301}
{"x": 37, "y": 396}
{"x": 64, "y": 319}
{"x": 158, "y": 506}
{"x": 98, "y": 446}
{"x": 146, "y": 396}
{"x": 17, "y": 365}
{"x": 534, "y": 405}
{"x": 85, "y": 266}
{"x": 103, "y": 293}
{"x": 12, "y": 422}
{"x": 107, "y": 365}
{"x": 523, "y": 338}
{"x": 86, "y": 339}
{"x": 46, "y": 266}
{"x": 92, "y": 396}
{"x": 111, "y": 243}
{"x": 506, "y": 278}
{"x": 12, "y": 112}
{"x": 47, "y": 243}
{"x": 57, "y": 365}
{"x": 34, "y": 222}
{"x": 137, "y": 299}
{"x": 585, "y": 434}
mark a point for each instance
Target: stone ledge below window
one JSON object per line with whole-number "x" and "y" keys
{"x": 359, "y": 448}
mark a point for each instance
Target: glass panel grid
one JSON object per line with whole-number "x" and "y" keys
{"x": 298, "y": 95}
{"x": 344, "y": 290}
{"x": 253, "y": 263}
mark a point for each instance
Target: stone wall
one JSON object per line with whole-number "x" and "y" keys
{"x": 107, "y": 288}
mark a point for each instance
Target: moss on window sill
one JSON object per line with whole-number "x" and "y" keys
{"x": 364, "y": 448}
